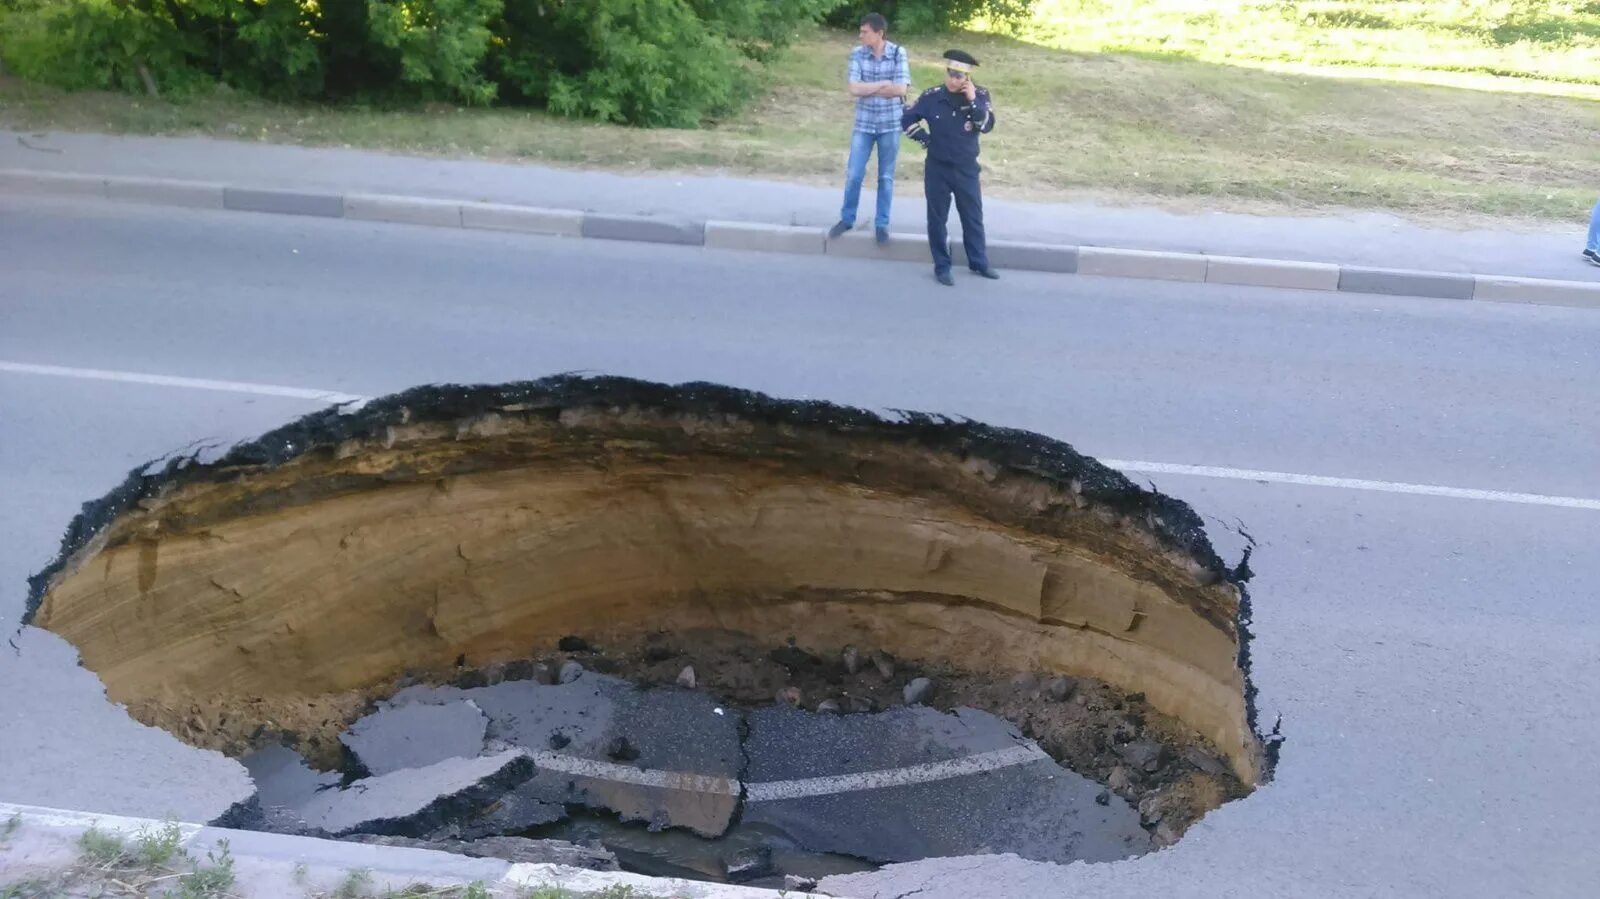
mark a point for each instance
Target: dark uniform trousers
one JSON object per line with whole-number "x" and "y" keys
{"x": 940, "y": 182}
{"x": 949, "y": 127}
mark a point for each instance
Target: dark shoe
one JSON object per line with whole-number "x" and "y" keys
{"x": 839, "y": 229}
{"x": 1592, "y": 256}
{"x": 989, "y": 273}
{"x": 944, "y": 278}
{"x": 883, "y": 235}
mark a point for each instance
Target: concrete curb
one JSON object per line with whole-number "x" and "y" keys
{"x": 48, "y": 837}
{"x": 1108, "y": 262}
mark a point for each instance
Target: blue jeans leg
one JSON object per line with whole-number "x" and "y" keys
{"x": 855, "y": 172}
{"x": 888, "y": 154}
{"x": 1594, "y": 229}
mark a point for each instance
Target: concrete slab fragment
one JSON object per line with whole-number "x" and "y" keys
{"x": 765, "y": 238}
{"x": 914, "y": 783}
{"x": 1283, "y": 273}
{"x": 283, "y": 202}
{"x": 417, "y": 735}
{"x": 418, "y": 800}
{"x": 902, "y": 246}
{"x": 193, "y": 194}
{"x": 1403, "y": 283}
{"x": 403, "y": 210}
{"x": 649, "y": 229}
{"x": 1148, "y": 264}
{"x": 526, "y": 219}
{"x": 1583, "y": 294}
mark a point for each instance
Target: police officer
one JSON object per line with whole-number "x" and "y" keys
{"x": 947, "y": 121}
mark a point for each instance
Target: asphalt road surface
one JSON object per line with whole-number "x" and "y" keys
{"x": 1433, "y": 657}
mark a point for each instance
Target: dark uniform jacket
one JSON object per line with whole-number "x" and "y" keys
{"x": 947, "y": 126}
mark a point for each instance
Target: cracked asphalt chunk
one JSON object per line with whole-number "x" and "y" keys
{"x": 412, "y": 736}
{"x": 417, "y": 801}
{"x": 876, "y": 806}
{"x": 685, "y": 774}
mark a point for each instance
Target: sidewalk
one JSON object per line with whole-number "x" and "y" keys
{"x": 1358, "y": 239}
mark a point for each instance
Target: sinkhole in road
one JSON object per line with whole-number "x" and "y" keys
{"x": 724, "y": 635}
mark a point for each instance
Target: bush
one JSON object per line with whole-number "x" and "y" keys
{"x": 647, "y": 62}
{"x": 922, "y": 16}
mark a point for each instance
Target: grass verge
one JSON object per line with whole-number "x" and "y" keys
{"x": 1172, "y": 125}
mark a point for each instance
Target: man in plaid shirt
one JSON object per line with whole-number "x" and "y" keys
{"x": 879, "y": 75}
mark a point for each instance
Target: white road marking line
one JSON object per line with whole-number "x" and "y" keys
{"x": 897, "y": 777}
{"x": 1313, "y": 480}
{"x": 1142, "y": 467}
{"x": 128, "y": 377}
{"x": 666, "y": 780}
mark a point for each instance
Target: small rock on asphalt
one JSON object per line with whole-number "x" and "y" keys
{"x": 750, "y": 864}
{"x": 571, "y": 643}
{"x": 686, "y": 677}
{"x": 828, "y": 707}
{"x": 851, "y": 659}
{"x": 1061, "y": 688}
{"x": 1203, "y": 760}
{"x": 918, "y": 691}
{"x": 1103, "y": 799}
{"x": 884, "y": 663}
{"x": 796, "y": 882}
{"x": 793, "y": 657}
{"x": 559, "y": 740}
{"x": 621, "y": 750}
{"x": 1143, "y": 754}
{"x": 570, "y": 672}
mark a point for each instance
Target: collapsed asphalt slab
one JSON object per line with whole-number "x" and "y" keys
{"x": 417, "y": 800}
{"x": 413, "y": 736}
{"x": 914, "y": 783}
{"x": 669, "y": 757}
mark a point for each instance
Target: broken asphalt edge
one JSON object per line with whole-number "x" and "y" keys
{"x": 751, "y": 236}
{"x": 403, "y": 865}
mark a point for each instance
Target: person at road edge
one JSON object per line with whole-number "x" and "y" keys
{"x": 879, "y": 75}
{"x": 947, "y": 121}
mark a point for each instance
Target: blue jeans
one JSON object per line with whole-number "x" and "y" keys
{"x": 861, "y": 144}
{"x": 1594, "y": 230}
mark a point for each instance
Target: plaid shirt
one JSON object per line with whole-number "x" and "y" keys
{"x": 875, "y": 115}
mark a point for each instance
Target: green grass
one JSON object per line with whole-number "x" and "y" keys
{"x": 1550, "y": 46}
{"x": 1217, "y": 104}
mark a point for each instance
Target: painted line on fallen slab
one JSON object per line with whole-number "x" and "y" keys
{"x": 1313, "y": 480}
{"x": 981, "y": 763}
{"x": 642, "y": 777}
{"x": 1125, "y": 465}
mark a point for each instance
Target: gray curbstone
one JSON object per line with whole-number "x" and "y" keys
{"x": 648, "y": 229}
{"x": 164, "y": 192}
{"x": 403, "y": 210}
{"x": 765, "y": 238}
{"x": 283, "y": 202}
{"x": 1399, "y": 282}
{"x": 1280, "y": 273}
{"x": 1110, "y": 263}
{"x": 1537, "y": 291}
{"x": 21, "y": 181}
{"x": 1023, "y": 256}
{"x": 861, "y": 244}
{"x": 525, "y": 219}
